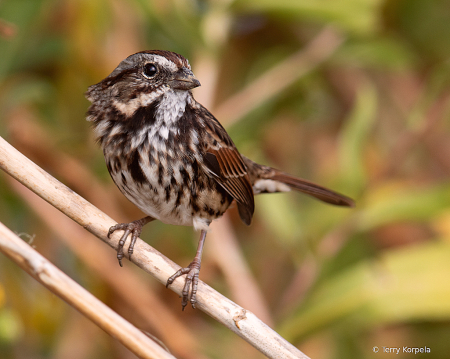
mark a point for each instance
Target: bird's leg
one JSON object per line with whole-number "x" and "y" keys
{"x": 135, "y": 228}
{"x": 192, "y": 271}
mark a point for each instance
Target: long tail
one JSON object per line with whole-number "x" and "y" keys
{"x": 266, "y": 179}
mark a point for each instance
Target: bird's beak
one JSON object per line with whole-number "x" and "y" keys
{"x": 184, "y": 79}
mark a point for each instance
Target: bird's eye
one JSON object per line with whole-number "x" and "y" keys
{"x": 150, "y": 70}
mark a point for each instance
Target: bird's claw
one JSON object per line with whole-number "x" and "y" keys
{"x": 191, "y": 281}
{"x": 135, "y": 228}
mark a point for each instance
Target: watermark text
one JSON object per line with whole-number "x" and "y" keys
{"x": 398, "y": 350}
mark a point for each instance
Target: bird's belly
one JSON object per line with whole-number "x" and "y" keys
{"x": 155, "y": 202}
{"x": 175, "y": 198}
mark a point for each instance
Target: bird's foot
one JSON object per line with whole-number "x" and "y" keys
{"x": 191, "y": 280}
{"x": 135, "y": 228}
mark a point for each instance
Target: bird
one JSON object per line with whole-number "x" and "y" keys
{"x": 173, "y": 159}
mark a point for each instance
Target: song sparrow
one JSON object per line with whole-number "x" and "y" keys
{"x": 172, "y": 158}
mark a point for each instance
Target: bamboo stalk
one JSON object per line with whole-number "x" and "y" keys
{"x": 133, "y": 290}
{"x": 71, "y": 292}
{"x": 239, "y": 320}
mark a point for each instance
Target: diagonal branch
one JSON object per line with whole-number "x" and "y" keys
{"x": 131, "y": 289}
{"x": 242, "y": 322}
{"x": 28, "y": 135}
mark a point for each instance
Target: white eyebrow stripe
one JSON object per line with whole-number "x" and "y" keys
{"x": 162, "y": 61}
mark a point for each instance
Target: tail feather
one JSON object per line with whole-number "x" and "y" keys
{"x": 266, "y": 179}
{"x": 312, "y": 189}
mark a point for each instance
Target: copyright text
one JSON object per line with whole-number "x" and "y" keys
{"x": 398, "y": 350}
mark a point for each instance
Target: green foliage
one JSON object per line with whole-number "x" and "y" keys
{"x": 399, "y": 286}
{"x": 360, "y": 17}
{"x": 354, "y": 138}
{"x": 369, "y": 120}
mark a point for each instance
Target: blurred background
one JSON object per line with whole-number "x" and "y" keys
{"x": 351, "y": 94}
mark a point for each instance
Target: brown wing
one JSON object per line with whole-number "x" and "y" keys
{"x": 229, "y": 171}
{"x": 223, "y": 162}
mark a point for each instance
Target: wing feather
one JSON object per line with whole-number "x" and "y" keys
{"x": 232, "y": 176}
{"x": 223, "y": 162}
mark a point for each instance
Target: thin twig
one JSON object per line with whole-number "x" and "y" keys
{"x": 71, "y": 292}
{"x": 242, "y": 322}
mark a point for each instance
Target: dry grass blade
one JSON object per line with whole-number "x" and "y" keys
{"x": 225, "y": 250}
{"x": 71, "y": 292}
{"x": 234, "y": 317}
{"x": 279, "y": 77}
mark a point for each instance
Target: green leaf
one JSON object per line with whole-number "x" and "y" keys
{"x": 22, "y": 14}
{"x": 382, "y": 53}
{"x": 354, "y": 138}
{"x": 402, "y": 285}
{"x": 403, "y": 202}
{"x": 280, "y": 216}
{"x": 359, "y": 16}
